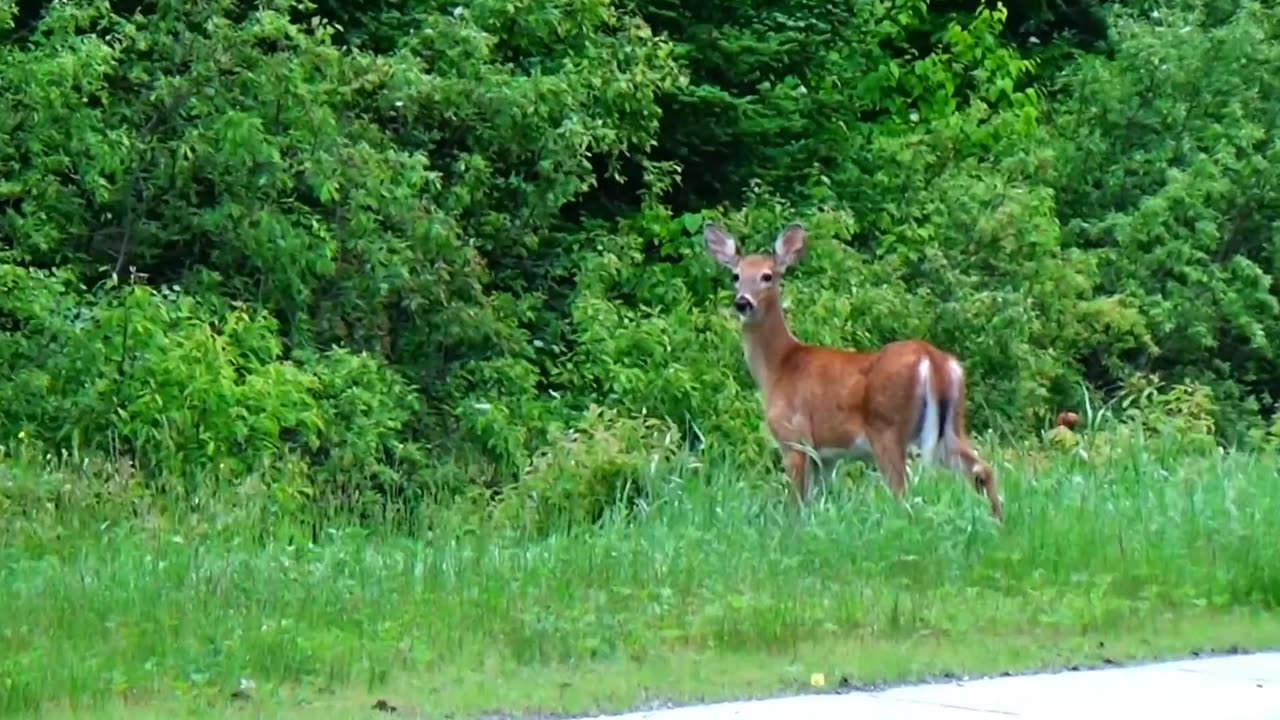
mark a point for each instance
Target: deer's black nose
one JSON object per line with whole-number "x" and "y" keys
{"x": 743, "y": 304}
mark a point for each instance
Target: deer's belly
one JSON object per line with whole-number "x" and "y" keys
{"x": 828, "y": 440}
{"x": 857, "y": 446}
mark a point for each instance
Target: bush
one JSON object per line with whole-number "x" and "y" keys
{"x": 604, "y": 461}
{"x": 394, "y": 260}
{"x": 1164, "y": 154}
{"x": 189, "y": 392}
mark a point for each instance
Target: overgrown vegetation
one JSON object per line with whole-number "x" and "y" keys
{"x": 405, "y": 253}
{"x": 287, "y": 271}
{"x": 1123, "y": 547}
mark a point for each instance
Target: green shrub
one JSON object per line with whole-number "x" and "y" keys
{"x": 604, "y": 461}
{"x": 1164, "y": 156}
{"x": 393, "y": 261}
{"x": 189, "y": 392}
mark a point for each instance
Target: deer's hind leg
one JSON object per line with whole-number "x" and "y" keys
{"x": 957, "y": 450}
{"x": 890, "y": 454}
{"x": 964, "y": 460}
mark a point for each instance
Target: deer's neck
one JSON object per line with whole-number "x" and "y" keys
{"x": 765, "y": 343}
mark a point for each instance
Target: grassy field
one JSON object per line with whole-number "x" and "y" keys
{"x": 710, "y": 590}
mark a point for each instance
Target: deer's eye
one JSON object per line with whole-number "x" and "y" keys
{"x": 766, "y": 277}
{"x": 735, "y": 276}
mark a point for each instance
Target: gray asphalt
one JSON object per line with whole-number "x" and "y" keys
{"x": 1237, "y": 687}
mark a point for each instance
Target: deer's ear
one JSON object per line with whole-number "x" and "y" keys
{"x": 720, "y": 245}
{"x": 790, "y": 246}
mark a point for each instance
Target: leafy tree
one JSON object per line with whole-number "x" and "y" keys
{"x": 394, "y": 248}
{"x": 1165, "y": 164}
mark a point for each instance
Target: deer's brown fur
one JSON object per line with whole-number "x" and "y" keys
{"x": 840, "y": 402}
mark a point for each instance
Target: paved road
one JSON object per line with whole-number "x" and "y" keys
{"x": 1239, "y": 687}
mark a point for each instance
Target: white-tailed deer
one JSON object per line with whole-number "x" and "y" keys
{"x": 839, "y": 402}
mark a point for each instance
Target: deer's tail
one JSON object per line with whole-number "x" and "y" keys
{"x": 942, "y": 400}
{"x": 934, "y": 409}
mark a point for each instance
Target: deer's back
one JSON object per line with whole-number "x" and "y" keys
{"x": 834, "y": 397}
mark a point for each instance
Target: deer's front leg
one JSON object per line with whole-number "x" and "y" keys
{"x": 797, "y": 465}
{"x": 790, "y": 431}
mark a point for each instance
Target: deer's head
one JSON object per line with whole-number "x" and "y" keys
{"x": 756, "y": 278}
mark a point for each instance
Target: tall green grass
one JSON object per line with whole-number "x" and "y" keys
{"x": 101, "y": 603}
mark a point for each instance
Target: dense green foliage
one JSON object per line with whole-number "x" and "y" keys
{"x": 281, "y": 280}
{"x": 401, "y": 248}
